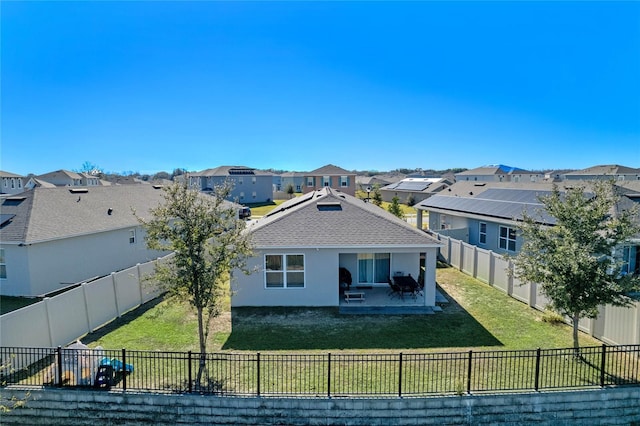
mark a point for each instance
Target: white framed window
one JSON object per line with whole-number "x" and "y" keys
{"x": 507, "y": 238}
{"x": 630, "y": 258}
{"x": 310, "y": 181}
{"x": 254, "y": 194}
{"x": 253, "y": 179}
{"x": 298, "y": 189}
{"x": 242, "y": 195}
{"x": 326, "y": 181}
{"x": 3, "y": 265}
{"x": 482, "y": 233}
{"x": 344, "y": 181}
{"x": 284, "y": 270}
{"x": 132, "y": 236}
{"x": 240, "y": 180}
{"x": 374, "y": 267}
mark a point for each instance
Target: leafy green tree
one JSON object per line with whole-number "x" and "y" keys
{"x": 290, "y": 190}
{"x": 573, "y": 261}
{"x": 209, "y": 242}
{"x": 411, "y": 200}
{"x": 377, "y": 195}
{"x": 395, "y": 209}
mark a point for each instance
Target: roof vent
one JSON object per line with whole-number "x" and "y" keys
{"x": 329, "y": 206}
{"x": 109, "y": 211}
{"x": 78, "y": 190}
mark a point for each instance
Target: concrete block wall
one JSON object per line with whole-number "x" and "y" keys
{"x": 81, "y": 407}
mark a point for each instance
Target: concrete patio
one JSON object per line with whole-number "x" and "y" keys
{"x": 377, "y": 300}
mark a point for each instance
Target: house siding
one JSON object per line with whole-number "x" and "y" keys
{"x": 41, "y": 268}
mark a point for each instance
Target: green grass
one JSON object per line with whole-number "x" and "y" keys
{"x": 477, "y": 317}
{"x": 263, "y": 208}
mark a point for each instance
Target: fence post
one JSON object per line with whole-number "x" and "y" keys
{"x": 400, "y": 377}
{"x": 124, "y": 370}
{"x": 329, "y": 375}
{"x": 469, "y": 372}
{"x": 258, "y": 372}
{"x": 537, "y": 379}
{"x": 602, "y": 364}
{"x": 59, "y": 372}
{"x": 190, "y": 371}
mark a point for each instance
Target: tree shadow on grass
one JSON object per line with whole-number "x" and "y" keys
{"x": 285, "y": 328}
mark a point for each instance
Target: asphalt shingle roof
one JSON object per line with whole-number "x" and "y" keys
{"x": 44, "y": 214}
{"x": 329, "y": 218}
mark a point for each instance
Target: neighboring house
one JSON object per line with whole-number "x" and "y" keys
{"x": 499, "y": 173}
{"x": 295, "y": 179}
{"x": 416, "y": 188}
{"x": 603, "y": 172}
{"x": 34, "y": 182}
{"x": 12, "y": 183}
{"x": 369, "y": 182}
{"x": 51, "y": 238}
{"x": 330, "y": 176}
{"x": 487, "y": 214}
{"x": 64, "y": 178}
{"x": 301, "y": 245}
{"x": 249, "y": 185}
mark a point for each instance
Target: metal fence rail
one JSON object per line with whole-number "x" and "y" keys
{"x": 323, "y": 375}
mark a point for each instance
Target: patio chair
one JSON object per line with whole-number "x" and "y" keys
{"x": 394, "y": 289}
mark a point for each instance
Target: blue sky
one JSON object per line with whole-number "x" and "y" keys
{"x": 152, "y": 86}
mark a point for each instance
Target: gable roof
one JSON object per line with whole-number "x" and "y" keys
{"x": 58, "y": 173}
{"x": 9, "y": 175}
{"x": 330, "y": 170}
{"x": 328, "y": 218}
{"x": 224, "y": 171}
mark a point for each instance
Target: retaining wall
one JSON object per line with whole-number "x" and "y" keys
{"x": 74, "y": 407}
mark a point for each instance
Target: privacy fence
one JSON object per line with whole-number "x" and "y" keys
{"x": 324, "y": 375}
{"x": 614, "y": 325}
{"x": 59, "y": 320}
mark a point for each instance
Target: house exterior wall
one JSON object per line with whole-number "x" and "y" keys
{"x": 321, "y": 276}
{"x": 12, "y": 185}
{"x": 41, "y": 268}
{"x": 245, "y": 189}
{"x": 335, "y": 183}
{"x": 321, "y": 281}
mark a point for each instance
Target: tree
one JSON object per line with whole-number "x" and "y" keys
{"x": 209, "y": 242}
{"x": 90, "y": 168}
{"x": 290, "y": 190}
{"x": 395, "y": 209}
{"x": 377, "y": 195}
{"x": 574, "y": 259}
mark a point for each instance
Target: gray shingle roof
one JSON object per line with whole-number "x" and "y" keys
{"x": 329, "y": 218}
{"x": 51, "y": 213}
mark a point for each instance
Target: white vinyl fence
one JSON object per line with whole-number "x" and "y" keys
{"x": 59, "y": 320}
{"x": 614, "y": 325}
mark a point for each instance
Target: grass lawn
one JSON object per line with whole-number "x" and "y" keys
{"x": 477, "y": 317}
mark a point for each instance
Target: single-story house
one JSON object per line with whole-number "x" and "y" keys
{"x": 487, "y": 214}
{"x": 412, "y": 190}
{"x": 301, "y": 246}
{"x": 51, "y": 238}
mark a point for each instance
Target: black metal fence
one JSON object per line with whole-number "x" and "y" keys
{"x": 323, "y": 375}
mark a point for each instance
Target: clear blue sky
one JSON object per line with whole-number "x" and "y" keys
{"x": 151, "y": 86}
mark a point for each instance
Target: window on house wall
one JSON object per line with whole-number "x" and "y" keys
{"x": 132, "y": 236}
{"x": 298, "y": 189}
{"x": 630, "y": 260}
{"x": 284, "y": 270}
{"x": 374, "y": 267}
{"x": 344, "y": 181}
{"x": 13, "y": 183}
{"x": 253, "y": 179}
{"x": 19, "y": 183}
{"x": 3, "y": 265}
{"x": 254, "y": 194}
{"x": 242, "y": 195}
{"x": 326, "y": 181}
{"x": 507, "y": 239}
{"x": 240, "y": 180}
{"x": 482, "y": 238}
{"x": 310, "y": 182}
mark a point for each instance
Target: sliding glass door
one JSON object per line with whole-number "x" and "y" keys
{"x": 374, "y": 267}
